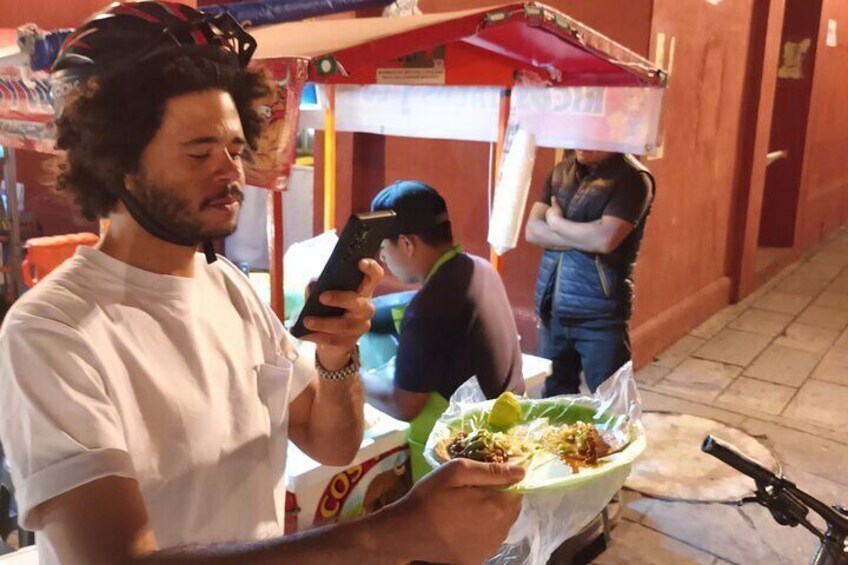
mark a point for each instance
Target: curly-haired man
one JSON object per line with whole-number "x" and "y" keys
{"x": 146, "y": 393}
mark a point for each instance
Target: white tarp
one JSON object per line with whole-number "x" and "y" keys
{"x": 620, "y": 119}
{"x": 431, "y": 112}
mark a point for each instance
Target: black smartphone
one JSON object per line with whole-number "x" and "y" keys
{"x": 360, "y": 239}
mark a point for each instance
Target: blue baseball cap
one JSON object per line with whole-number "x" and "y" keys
{"x": 419, "y": 207}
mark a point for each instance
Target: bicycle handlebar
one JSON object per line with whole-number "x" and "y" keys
{"x": 739, "y": 461}
{"x": 744, "y": 464}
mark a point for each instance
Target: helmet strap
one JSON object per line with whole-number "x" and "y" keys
{"x": 156, "y": 228}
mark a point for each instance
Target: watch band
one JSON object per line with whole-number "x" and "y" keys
{"x": 348, "y": 370}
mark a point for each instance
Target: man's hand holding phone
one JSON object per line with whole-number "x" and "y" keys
{"x": 340, "y": 313}
{"x": 337, "y": 336}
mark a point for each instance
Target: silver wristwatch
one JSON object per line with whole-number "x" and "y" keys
{"x": 348, "y": 370}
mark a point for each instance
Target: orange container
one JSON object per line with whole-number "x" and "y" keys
{"x": 46, "y": 253}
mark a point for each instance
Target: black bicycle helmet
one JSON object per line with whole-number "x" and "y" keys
{"x": 122, "y": 35}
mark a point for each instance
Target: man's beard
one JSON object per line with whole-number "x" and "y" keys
{"x": 178, "y": 216}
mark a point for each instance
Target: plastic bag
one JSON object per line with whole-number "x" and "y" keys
{"x": 376, "y": 350}
{"x": 511, "y": 192}
{"x": 400, "y": 8}
{"x": 558, "y": 503}
{"x": 302, "y": 263}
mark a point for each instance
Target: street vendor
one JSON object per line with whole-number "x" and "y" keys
{"x": 459, "y": 325}
{"x": 147, "y": 395}
{"x": 589, "y": 220}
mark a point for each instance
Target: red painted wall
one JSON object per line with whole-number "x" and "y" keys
{"x": 682, "y": 274}
{"x": 763, "y": 57}
{"x": 55, "y": 213}
{"x": 824, "y": 185}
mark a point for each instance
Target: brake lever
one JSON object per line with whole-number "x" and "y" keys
{"x": 783, "y": 506}
{"x": 749, "y": 500}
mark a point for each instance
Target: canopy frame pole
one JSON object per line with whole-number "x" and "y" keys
{"x": 275, "y": 252}
{"x": 503, "y": 121}
{"x": 330, "y": 159}
{"x": 10, "y": 175}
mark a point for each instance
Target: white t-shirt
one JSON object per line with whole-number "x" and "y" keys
{"x": 180, "y": 383}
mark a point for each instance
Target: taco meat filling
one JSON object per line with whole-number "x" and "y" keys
{"x": 579, "y": 444}
{"x": 479, "y": 445}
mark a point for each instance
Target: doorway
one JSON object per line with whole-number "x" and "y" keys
{"x": 781, "y": 195}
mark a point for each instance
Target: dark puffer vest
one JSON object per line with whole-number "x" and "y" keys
{"x": 578, "y": 285}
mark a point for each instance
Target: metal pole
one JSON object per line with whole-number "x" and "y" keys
{"x": 330, "y": 159}
{"x": 275, "y": 252}
{"x": 11, "y": 177}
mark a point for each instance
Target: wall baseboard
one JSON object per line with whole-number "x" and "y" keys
{"x": 656, "y": 334}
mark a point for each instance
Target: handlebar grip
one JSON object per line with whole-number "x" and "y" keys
{"x": 742, "y": 463}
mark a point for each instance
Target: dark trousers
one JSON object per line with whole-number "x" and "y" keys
{"x": 598, "y": 347}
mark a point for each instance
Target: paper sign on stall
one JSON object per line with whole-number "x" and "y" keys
{"x": 831, "y": 33}
{"x": 419, "y": 68}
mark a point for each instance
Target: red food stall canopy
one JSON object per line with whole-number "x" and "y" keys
{"x": 529, "y": 44}
{"x": 483, "y": 46}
